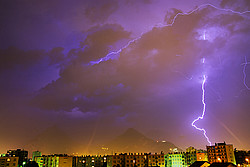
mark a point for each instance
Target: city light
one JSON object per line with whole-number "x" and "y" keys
{"x": 182, "y": 82}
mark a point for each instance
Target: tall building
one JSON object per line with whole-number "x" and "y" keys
{"x": 221, "y": 153}
{"x": 22, "y": 154}
{"x": 191, "y": 155}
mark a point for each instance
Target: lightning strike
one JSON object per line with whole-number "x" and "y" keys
{"x": 109, "y": 55}
{"x": 203, "y": 111}
{"x": 115, "y": 53}
{"x": 244, "y": 73}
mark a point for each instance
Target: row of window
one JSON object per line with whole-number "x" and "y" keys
{"x": 155, "y": 164}
{"x": 134, "y": 157}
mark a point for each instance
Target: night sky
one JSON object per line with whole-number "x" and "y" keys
{"x": 55, "y": 70}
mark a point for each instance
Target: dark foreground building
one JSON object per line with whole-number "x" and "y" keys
{"x": 200, "y": 164}
{"x": 21, "y": 154}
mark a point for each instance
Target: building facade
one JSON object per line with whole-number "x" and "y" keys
{"x": 176, "y": 159}
{"x": 36, "y": 154}
{"x": 156, "y": 160}
{"x": 9, "y": 161}
{"x": 54, "y": 161}
{"x": 191, "y": 155}
{"x": 21, "y": 154}
{"x": 221, "y": 152}
{"x": 136, "y": 160}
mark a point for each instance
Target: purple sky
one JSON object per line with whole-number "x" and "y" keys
{"x": 152, "y": 85}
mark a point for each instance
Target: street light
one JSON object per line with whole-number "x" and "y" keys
{"x": 247, "y": 160}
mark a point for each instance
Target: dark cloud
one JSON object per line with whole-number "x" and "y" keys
{"x": 154, "y": 83}
{"x": 99, "y": 11}
{"x": 86, "y": 87}
{"x": 101, "y": 38}
{"x": 161, "y": 71}
{"x": 240, "y": 5}
{"x": 22, "y": 72}
{"x": 16, "y": 57}
{"x": 46, "y": 24}
{"x": 160, "y": 52}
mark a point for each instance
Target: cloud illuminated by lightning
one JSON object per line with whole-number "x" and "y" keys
{"x": 113, "y": 54}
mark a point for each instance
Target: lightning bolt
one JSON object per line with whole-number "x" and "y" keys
{"x": 244, "y": 73}
{"x": 203, "y": 111}
{"x": 112, "y": 55}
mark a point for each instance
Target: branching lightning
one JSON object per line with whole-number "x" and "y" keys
{"x": 244, "y": 73}
{"x": 203, "y": 111}
{"x": 112, "y": 55}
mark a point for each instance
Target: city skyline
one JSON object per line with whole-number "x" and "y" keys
{"x": 86, "y": 71}
{"x": 219, "y": 154}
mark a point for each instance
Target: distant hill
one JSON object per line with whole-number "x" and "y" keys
{"x": 52, "y": 140}
{"x": 133, "y": 141}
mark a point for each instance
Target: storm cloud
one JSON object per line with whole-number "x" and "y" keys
{"x": 153, "y": 83}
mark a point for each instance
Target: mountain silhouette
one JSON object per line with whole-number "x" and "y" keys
{"x": 133, "y": 141}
